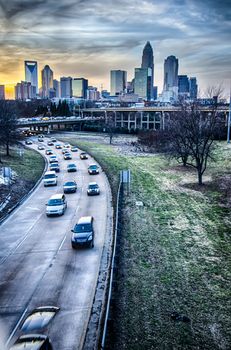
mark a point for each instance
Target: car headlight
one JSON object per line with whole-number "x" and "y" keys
{"x": 90, "y": 238}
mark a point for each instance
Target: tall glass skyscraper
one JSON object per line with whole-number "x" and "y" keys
{"x": 31, "y": 74}
{"x": 170, "y": 90}
{"x": 47, "y": 81}
{"x": 118, "y": 81}
{"x": 193, "y": 88}
{"x": 148, "y": 62}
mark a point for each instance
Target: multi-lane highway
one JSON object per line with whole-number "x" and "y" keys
{"x": 37, "y": 263}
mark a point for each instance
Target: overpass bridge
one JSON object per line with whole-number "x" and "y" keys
{"x": 149, "y": 118}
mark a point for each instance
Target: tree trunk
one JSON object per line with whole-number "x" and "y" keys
{"x": 199, "y": 177}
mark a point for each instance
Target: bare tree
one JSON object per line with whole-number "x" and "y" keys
{"x": 9, "y": 133}
{"x": 109, "y": 127}
{"x": 194, "y": 133}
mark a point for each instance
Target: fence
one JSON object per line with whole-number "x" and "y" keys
{"x": 114, "y": 263}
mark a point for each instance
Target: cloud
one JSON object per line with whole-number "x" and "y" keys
{"x": 93, "y": 36}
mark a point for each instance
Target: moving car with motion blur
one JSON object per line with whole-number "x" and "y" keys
{"x": 55, "y": 167}
{"x": 67, "y": 156}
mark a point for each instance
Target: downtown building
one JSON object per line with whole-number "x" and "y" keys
{"x": 118, "y": 82}
{"x": 183, "y": 86}
{"x": 143, "y": 81}
{"x": 66, "y": 87}
{"x": 193, "y": 88}
{"x": 148, "y": 63}
{"x": 56, "y": 87}
{"x": 170, "y": 89}
{"x": 31, "y": 75}
{"x": 47, "y": 82}
{"x": 79, "y": 88}
{"x": 24, "y": 91}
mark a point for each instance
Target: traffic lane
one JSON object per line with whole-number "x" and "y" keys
{"x": 82, "y": 165}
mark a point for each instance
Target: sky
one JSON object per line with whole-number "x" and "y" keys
{"x": 88, "y": 38}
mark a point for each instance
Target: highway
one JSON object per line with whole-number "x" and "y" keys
{"x": 37, "y": 263}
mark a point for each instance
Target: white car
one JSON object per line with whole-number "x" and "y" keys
{"x": 56, "y": 205}
{"x": 50, "y": 178}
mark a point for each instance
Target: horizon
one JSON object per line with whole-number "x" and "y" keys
{"x": 89, "y": 39}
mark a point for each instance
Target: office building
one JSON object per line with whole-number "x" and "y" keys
{"x": 2, "y": 92}
{"x": 193, "y": 88}
{"x": 170, "y": 91}
{"x": 148, "y": 62}
{"x": 183, "y": 86}
{"x": 66, "y": 87}
{"x": 31, "y": 75}
{"x": 143, "y": 81}
{"x": 92, "y": 93}
{"x": 56, "y": 87}
{"x": 24, "y": 91}
{"x": 47, "y": 81}
{"x": 79, "y": 88}
{"x": 118, "y": 82}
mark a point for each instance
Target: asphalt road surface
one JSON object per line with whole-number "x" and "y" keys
{"x": 38, "y": 265}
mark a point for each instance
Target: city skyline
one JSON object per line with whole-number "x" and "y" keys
{"x": 89, "y": 39}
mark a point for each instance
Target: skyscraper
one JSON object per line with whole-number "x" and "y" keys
{"x": 148, "y": 62}
{"x": 31, "y": 74}
{"x": 193, "y": 88}
{"x": 24, "y": 91}
{"x": 79, "y": 88}
{"x": 183, "y": 85}
{"x": 118, "y": 81}
{"x": 170, "y": 90}
{"x": 66, "y": 87}
{"x": 143, "y": 78}
{"x": 47, "y": 81}
{"x": 56, "y": 86}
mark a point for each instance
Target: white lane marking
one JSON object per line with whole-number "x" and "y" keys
{"x": 15, "y": 328}
{"x": 62, "y": 243}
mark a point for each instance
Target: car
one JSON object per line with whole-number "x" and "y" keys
{"x": 83, "y": 233}
{"x": 50, "y": 143}
{"x": 50, "y": 178}
{"x": 55, "y": 167}
{"x": 56, "y": 205}
{"x": 93, "y": 189}
{"x": 53, "y": 159}
{"x": 40, "y": 139}
{"x": 41, "y": 147}
{"x": 41, "y": 136}
{"x": 58, "y": 146}
{"x": 49, "y": 152}
{"x": 83, "y": 155}
{"x": 28, "y": 142}
{"x": 67, "y": 156}
{"x": 67, "y": 145}
{"x": 71, "y": 168}
{"x": 53, "y": 139}
{"x": 32, "y": 341}
{"x": 69, "y": 187}
{"x": 65, "y": 150}
{"x": 93, "y": 169}
{"x": 74, "y": 149}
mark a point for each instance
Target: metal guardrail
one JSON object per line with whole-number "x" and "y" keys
{"x": 110, "y": 290}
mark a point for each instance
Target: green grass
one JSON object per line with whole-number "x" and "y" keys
{"x": 175, "y": 253}
{"x": 29, "y": 167}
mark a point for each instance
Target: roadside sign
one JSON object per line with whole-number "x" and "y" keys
{"x": 7, "y": 173}
{"x": 125, "y": 176}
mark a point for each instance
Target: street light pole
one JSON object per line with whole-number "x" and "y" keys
{"x": 229, "y": 119}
